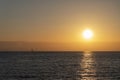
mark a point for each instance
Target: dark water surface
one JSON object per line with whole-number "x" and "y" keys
{"x": 59, "y": 66}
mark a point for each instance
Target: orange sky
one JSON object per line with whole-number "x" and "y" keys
{"x": 59, "y": 24}
{"x": 43, "y": 46}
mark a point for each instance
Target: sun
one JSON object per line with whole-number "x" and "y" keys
{"x": 87, "y": 34}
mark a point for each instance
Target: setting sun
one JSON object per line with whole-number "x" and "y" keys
{"x": 87, "y": 34}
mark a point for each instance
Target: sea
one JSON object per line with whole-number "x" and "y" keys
{"x": 66, "y": 65}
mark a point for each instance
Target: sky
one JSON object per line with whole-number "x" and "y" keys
{"x": 59, "y": 23}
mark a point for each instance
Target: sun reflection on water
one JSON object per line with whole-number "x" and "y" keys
{"x": 87, "y": 64}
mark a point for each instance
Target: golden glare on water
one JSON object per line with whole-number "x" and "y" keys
{"x": 87, "y": 34}
{"x": 88, "y": 67}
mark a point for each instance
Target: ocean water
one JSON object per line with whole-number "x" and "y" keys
{"x": 59, "y": 66}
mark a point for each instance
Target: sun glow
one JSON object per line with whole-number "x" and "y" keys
{"x": 87, "y": 34}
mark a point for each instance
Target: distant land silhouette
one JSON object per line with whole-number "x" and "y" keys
{"x": 49, "y": 46}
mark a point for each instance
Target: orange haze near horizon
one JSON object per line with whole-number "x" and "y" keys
{"x": 58, "y": 24}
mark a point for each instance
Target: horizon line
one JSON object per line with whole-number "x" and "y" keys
{"x": 61, "y": 51}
